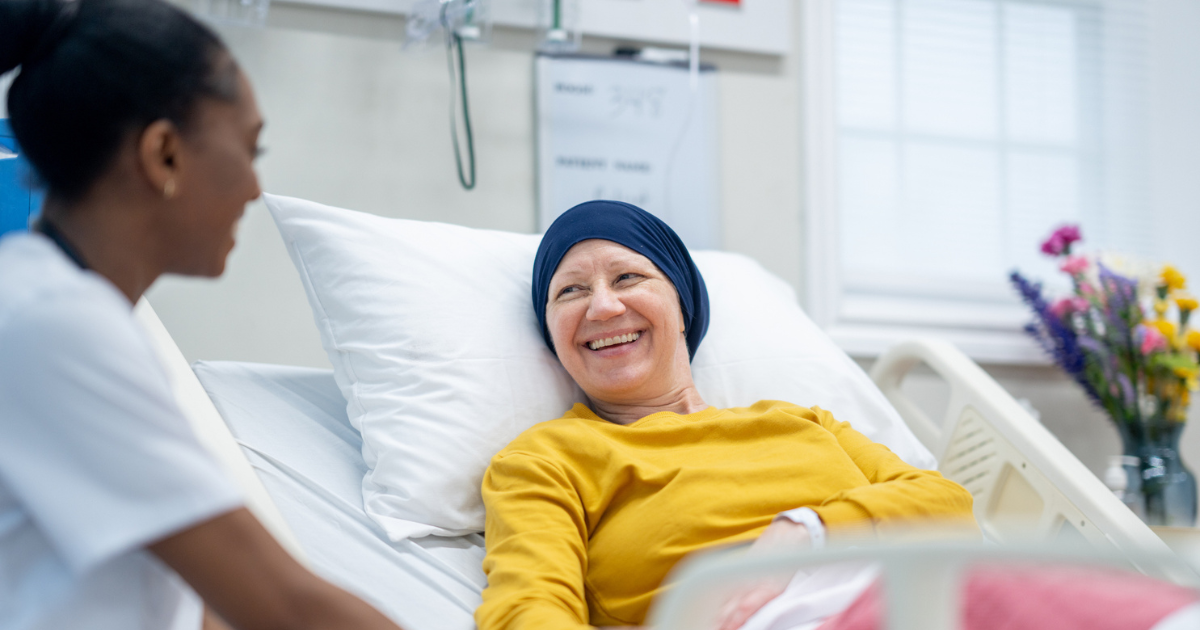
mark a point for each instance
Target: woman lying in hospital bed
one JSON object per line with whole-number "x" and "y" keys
{"x": 587, "y": 514}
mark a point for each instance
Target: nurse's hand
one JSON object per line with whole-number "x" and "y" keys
{"x": 749, "y": 600}
{"x": 252, "y": 583}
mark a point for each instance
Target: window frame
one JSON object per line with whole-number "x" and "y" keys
{"x": 863, "y": 323}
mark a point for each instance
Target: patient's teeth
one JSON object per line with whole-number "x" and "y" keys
{"x": 612, "y": 341}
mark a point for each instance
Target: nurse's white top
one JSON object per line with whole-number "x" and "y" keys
{"x": 96, "y": 459}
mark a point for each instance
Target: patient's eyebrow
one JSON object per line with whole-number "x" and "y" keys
{"x": 630, "y": 263}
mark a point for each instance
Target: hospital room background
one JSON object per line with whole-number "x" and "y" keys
{"x": 358, "y": 121}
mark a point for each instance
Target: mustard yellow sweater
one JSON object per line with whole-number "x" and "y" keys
{"x": 586, "y": 517}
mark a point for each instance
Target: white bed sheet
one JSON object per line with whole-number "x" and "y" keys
{"x": 292, "y": 425}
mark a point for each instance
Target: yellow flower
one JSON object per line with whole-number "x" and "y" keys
{"x": 1165, "y": 327}
{"x": 1185, "y": 372}
{"x": 1172, "y": 278}
{"x": 1186, "y": 303}
{"x": 1193, "y": 339}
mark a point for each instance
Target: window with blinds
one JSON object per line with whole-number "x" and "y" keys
{"x": 966, "y": 130}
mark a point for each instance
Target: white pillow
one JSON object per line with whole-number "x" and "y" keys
{"x": 436, "y": 348}
{"x": 761, "y": 346}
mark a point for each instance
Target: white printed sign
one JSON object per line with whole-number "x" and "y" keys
{"x": 628, "y": 131}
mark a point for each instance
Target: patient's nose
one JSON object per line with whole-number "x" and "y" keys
{"x": 605, "y": 305}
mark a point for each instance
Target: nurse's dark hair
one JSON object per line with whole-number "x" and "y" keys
{"x": 94, "y": 71}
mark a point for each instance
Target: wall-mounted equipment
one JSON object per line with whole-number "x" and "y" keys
{"x": 459, "y": 20}
{"x": 18, "y": 204}
{"x": 241, "y": 12}
{"x": 470, "y": 20}
{"x": 559, "y": 26}
{"x": 753, "y": 26}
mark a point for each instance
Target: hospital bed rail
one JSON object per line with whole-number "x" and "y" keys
{"x": 1026, "y": 484}
{"x": 922, "y": 583}
{"x": 212, "y": 431}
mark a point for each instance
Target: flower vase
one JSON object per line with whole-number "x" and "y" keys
{"x": 1168, "y": 487}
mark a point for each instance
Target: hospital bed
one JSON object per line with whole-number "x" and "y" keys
{"x": 283, "y": 435}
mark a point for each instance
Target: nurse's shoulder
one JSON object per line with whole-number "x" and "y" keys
{"x": 33, "y": 272}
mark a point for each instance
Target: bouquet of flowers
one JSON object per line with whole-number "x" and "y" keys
{"x": 1126, "y": 342}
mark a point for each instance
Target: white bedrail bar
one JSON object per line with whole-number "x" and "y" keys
{"x": 211, "y": 430}
{"x": 1026, "y": 484}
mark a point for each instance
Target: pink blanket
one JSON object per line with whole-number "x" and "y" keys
{"x": 1042, "y": 598}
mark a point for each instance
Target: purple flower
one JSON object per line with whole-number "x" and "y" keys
{"x": 1060, "y": 241}
{"x": 1126, "y": 390}
{"x": 1055, "y": 336}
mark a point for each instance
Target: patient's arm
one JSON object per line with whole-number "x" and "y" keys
{"x": 898, "y": 496}
{"x": 536, "y": 537}
{"x": 243, "y": 574}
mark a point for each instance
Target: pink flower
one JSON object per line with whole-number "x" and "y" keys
{"x": 1075, "y": 265}
{"x": 1060, "y": 241}
{"x": 1090, "y": 292}
{"x": 1061, "y": 307}
{"x": 1152, "y": 340}
{"x": 1066, "y": 306}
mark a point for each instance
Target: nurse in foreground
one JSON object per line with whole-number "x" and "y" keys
{"x": 143, "y": 130}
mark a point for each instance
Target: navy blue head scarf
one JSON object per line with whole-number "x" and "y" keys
{"x": 644, "y": 233}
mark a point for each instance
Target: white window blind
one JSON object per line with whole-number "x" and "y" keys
{"x": 966, "y": 130}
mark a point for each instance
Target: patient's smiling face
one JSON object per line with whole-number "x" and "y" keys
{"x": 617, "y": 326}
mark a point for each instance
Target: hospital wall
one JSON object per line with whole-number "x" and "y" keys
{"x": 354, "y": 121}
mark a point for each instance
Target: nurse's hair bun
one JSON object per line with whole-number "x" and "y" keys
{"x": 25, "y": 26}
{"x": 94, "y": 71}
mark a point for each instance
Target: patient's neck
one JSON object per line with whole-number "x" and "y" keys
{"x": 683, "y": 401}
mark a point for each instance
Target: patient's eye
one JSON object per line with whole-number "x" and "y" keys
{"x": 626, "y": 277}
{"x": 563, "y": 292}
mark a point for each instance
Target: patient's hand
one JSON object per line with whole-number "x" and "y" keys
{"x": 781, "y": 534}
{"x": 749, "y": 600}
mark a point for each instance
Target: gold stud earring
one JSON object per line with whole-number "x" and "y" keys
{"x": 169, "y": 189}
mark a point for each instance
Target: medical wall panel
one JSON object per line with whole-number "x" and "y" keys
{"x": 754, "y": 26}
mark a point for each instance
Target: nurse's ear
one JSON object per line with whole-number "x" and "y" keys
{"x": 159, "y": 157}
